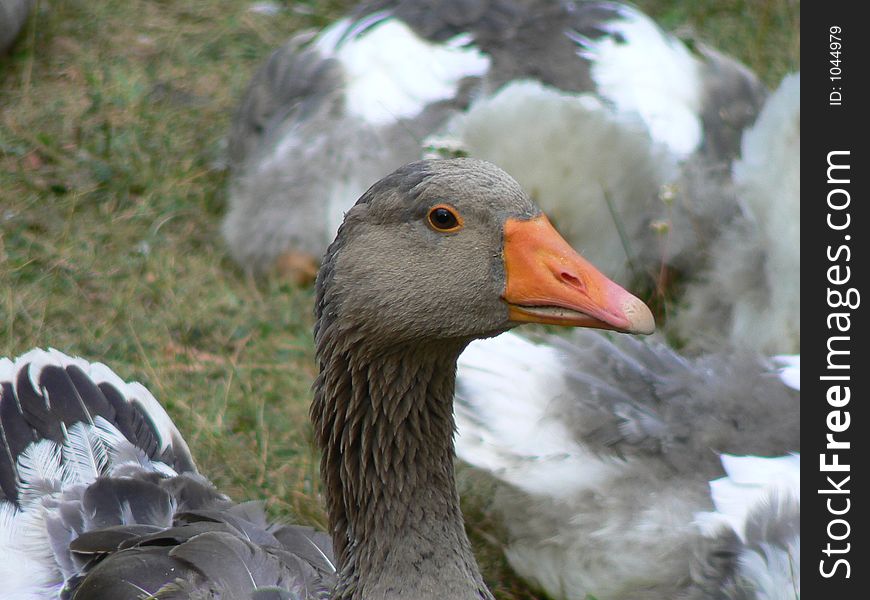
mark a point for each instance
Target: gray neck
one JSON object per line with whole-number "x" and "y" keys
{"x": 384, "y": 422}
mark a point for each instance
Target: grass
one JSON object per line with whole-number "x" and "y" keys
{"x": 112, "y": 116}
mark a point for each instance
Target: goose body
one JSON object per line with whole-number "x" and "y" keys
{"x": 94, "y": 469}
{"x": 616, "y": 441}
{"x": 325, "y": 116}
{"x": 100, "y": 495}
{"x": 752, "y": 281}
{"x": 580, "y": 70}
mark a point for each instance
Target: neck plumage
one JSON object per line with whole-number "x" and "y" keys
{"x": 384, "y": 423}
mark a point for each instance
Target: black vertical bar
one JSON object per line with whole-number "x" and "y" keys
{"x": 835, "y": 366}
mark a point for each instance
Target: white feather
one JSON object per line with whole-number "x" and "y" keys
{"x": 85, "y": 454}
{"x": 39, "y": 359}
{"x": 643, "y": 70}
{"x": 122, "y": 454}
{"x": 31, "y": 578}
{"x": 109, "y": 435}
{"x": 503, "y": 426}
{"x": 26, "y": 560}
{"x": 40, "y": 465}
{"x": 391, "y": 73}
{"x": 100, "y": 373}
{"x": 749, "y": 481}
{"x": 790, "y": 369}
{"x": 770, "y": 485}
{"x": 767, "y": 177}
{"x": 774, "y": 573}
{"x": 137, "y": 393}
{"x": 7, "y": 369}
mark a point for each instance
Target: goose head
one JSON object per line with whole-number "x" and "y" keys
{"x": 431, "y": 257}
{"x": 454, "y": 249}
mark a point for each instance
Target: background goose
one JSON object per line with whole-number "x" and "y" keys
{"x": 100, "y": 496}
{"x": 749, "y": 292}
{"x": 603, "y": 450}
{"x": 13, "y": 15}
{"x": 328, "y": 112}
{"x": 325, "y": 116}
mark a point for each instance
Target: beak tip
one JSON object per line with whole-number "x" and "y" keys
{"x": 639, "y": 316}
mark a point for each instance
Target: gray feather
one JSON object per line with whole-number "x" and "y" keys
{"x": 133, "y": 574}
{"x": 252, "y": 531}
{"x": 235, "y": 565}
{"x": 310, "y": 544}
{"x": 640, "y": 397}
{"x": 109, "y": 539}
{"x": 125, "y": 502}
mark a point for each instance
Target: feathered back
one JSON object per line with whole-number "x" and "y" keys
{"x": 604, "y": 446}
{"x": 619, "y": 396}
{"x": 100, "y": 497}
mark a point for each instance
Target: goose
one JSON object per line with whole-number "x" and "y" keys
{"x": 13, "y": 15}
{"x": 602, "y": 451}
{"x": 101, "y": 497}
{"x": 749, "y": 291}
{"x": 328, "y": 112}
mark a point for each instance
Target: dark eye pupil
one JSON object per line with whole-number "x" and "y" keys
{"x": 443, "y": 218}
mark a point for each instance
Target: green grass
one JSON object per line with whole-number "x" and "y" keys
{"x": 762, "y": 34}
{"x": 112, "y": 115}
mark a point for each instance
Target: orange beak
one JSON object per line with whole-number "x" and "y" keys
{"x": 548, "y": 282}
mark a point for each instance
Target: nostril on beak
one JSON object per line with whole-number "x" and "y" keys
{"x": 571, "y": 280}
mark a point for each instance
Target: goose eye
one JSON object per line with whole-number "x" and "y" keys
{"x": 444, "y": 218}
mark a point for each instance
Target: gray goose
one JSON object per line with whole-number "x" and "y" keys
{"x": 100, "y": 495}
{"x": 328, "y": 113}
{"x": 619, "y": 441}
